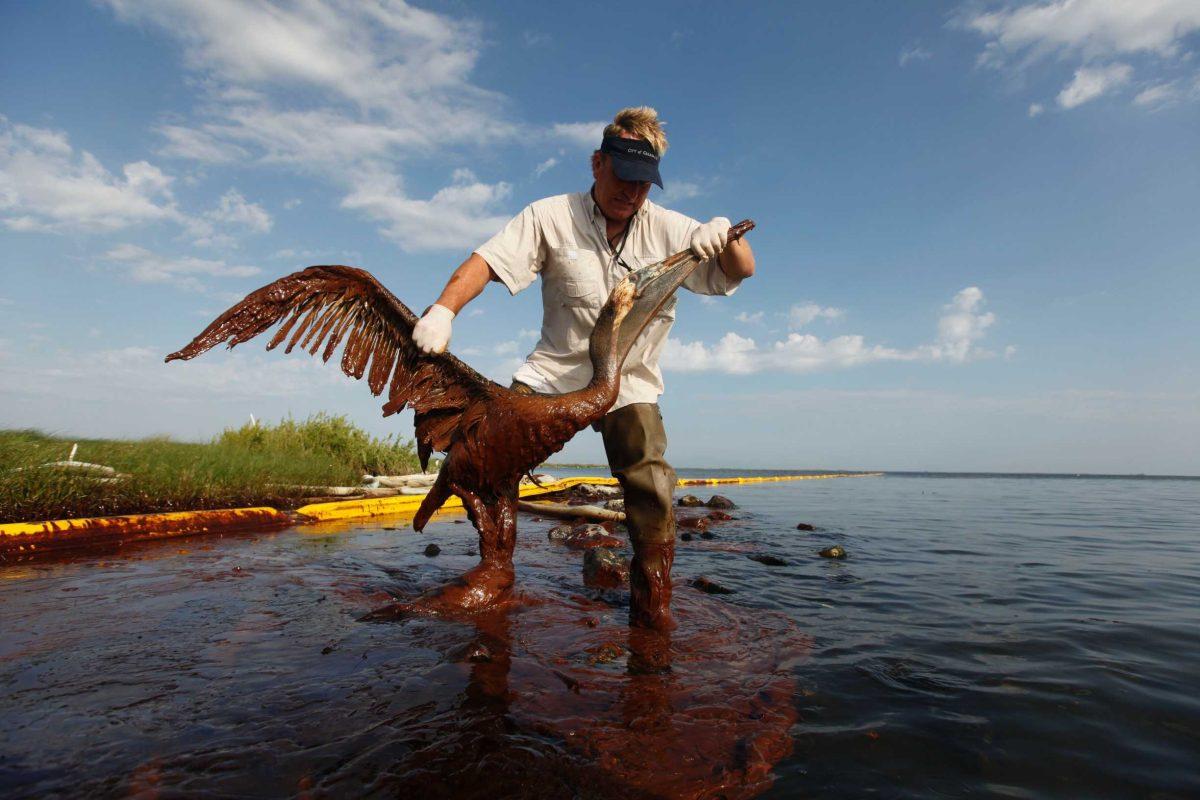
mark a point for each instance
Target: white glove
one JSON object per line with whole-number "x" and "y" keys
{"x": 710, "y": 238}
{"x": 432, "y": 331}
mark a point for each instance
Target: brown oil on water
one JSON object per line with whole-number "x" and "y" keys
{"x": 240, "y": 665}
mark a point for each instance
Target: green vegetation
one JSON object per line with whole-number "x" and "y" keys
{"x": 252, "y": 465}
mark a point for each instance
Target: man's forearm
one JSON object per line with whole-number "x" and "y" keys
{"x": 466, "y": 283}
{"x": 737, "y": 260}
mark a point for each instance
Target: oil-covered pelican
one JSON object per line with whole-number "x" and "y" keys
{"x": 491, "y": 435}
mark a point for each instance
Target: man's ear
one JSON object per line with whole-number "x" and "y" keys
{"x": 597, "y": 163}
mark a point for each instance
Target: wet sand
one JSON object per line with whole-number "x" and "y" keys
{"x": 237, "y": 665}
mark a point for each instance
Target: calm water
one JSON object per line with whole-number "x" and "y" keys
{"x": 987, "y": 636}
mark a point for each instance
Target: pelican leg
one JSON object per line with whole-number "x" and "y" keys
{"x": 491, "y": 581}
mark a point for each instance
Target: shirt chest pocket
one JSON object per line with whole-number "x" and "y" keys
{"x": 577, "y": 277}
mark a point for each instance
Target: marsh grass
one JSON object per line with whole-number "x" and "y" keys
{"x": 251, "y": 465}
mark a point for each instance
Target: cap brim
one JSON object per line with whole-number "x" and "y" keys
{"x": 636, "y": 170}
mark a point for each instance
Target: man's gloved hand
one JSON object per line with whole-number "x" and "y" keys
{"x": 710, "y": 238}
{"x": 432, "y": 331}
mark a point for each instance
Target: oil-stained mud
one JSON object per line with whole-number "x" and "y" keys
{"x": 241, "y": 667}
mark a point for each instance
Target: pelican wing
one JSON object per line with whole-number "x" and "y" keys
{"x": 321, "y": 307}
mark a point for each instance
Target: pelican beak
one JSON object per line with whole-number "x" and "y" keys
{"x": 655, "y": 285}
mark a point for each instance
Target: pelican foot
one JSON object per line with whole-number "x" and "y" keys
{"x": 477, "y": 589}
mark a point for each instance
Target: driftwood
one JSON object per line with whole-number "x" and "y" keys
{"x": 341, "y": 491}
{"x": 571, "y": 512}
{"x": 414, "y": 481}
{"x": 422, "y": 481}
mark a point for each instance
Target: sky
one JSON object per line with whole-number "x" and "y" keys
{"x": 977, "y": 242}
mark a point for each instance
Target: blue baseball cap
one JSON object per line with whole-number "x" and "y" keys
{"x": 633, "y": 159}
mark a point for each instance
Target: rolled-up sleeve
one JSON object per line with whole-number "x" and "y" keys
{"x": 514, "y": 253}
{"x": 708, "y": 278}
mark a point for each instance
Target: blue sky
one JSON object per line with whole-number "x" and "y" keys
{"x": 977, "y": 244}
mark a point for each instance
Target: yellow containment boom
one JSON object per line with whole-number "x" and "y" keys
{"x": 19, "y": 540}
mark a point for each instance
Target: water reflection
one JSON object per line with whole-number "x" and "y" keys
{"x": 562, "y": 699}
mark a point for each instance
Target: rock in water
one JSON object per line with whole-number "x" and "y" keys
{"x": 686, "y": 536}
{"x": 719, "y": 516}
{"x": 720, "y": 501}
{"x": 690, "y": 501}
{"x": 588, "y": 535}
{"x": 837, "y": 551}
{"x": 560, "y": 532}
{"x": 710, "y": 586}
{"x": 604, "y": 569}
{"x": 696, "y": 523}
{"x": 605, "y": 653}
{"x": 432, "y": 550}
{"x": 769, "y": 560}
{"x": 804, "y": 526}
{"x": 474, "y": 652}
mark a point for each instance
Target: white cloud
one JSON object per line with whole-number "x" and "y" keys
{"x": 373, "y": 55}
{"x": 802, "y": 314}
{"x": 457, "y": 216}
{"x": 293, "y": 202}
{"x": 233, "y": 209}
{"x": 143, "y": 266}
{"x": 1087, "y": 28}
{"x": 751, "y": 319}
{"x": 1090, "y": 33}
{"x": 342, "y": 90}
{"x": 112, "y": 374}
{"x": 913, "y": 52}
{"x": 582, "y": 134}
{"x": 677, "y": 191}
{"x": 544, "y": 167}
{"x": 198, "y": 145}
{"x": 502, "y": 372}
{"x": 1091, "y": 82}
{"x": 1157, "y": 96}
{"x": 233, "y": 215}
{"x": 960, "y": 327}
{"x": 45, "y": 185}
{"x": 798, "y": 353}
{"x": 1036, "y": 109}
{"x": 323, "y": 140}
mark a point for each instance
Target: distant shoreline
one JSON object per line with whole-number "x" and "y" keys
{"x": 914, "y": 473}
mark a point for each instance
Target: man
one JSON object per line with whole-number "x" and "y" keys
{"x": 581, "y": 245}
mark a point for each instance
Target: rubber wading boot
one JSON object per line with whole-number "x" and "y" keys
{"x": 650, "y": 585}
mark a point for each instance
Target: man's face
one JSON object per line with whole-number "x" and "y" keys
{"x": 618, "y": 199}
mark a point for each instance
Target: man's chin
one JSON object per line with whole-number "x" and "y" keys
{"x": 619, "y": 212}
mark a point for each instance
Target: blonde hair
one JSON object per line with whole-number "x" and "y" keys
{"x": 642, "y": 122}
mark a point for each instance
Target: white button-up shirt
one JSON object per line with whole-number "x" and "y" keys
{"x": 562, "y": 240}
